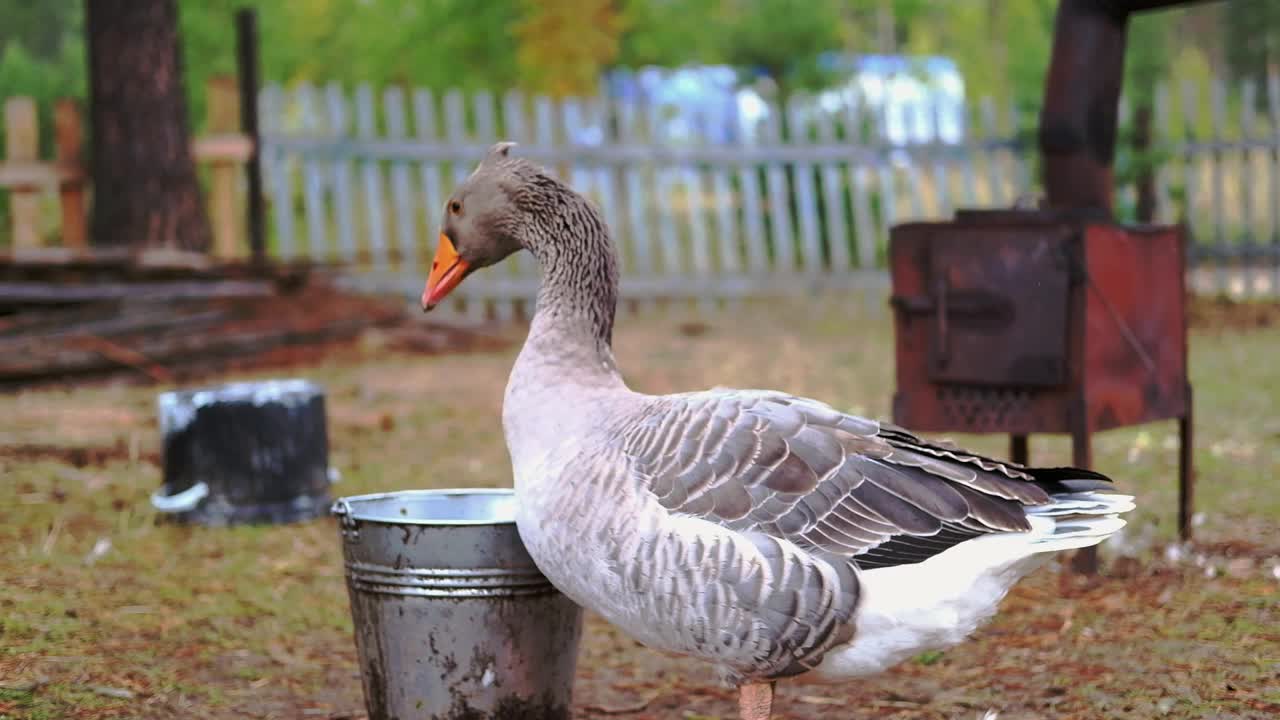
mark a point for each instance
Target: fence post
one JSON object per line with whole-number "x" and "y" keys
{"x": 22, "y": 143}
{"x": 249, "y": 75}
{"x": 223, "y": 118}
{"x": 68, "y": 139}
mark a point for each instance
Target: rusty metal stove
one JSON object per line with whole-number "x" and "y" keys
{"x": 1055, "y": 320}
{"x": 1027, "y": 322}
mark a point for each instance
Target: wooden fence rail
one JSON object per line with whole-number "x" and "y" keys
{"x": 27, "y": 178}
{"x": 802, "y": 199}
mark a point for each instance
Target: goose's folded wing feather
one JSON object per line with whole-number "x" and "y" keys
{"x": 796, "y": 469}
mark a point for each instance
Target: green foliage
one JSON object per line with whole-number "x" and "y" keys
{"x": 42, "y": 56}
{"x": 783, "y": 38}
{"x": 669, "y": 33}
{"x": 437, "y": 43}
{"x": 1002, "y": 48}
{"x": 1252, "y": 33}
{"x": 563, "y": 46}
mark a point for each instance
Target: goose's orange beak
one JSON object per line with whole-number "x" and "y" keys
{"x": 447, "y": 270}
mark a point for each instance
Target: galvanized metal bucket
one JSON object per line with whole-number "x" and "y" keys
{"x": 452, "y": 618}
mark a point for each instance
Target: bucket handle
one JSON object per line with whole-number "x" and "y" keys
{"x": 184, "y": 501}
{"x": 342, "y": 510}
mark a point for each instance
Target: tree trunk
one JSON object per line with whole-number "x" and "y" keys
{"x": 145, "y": 192}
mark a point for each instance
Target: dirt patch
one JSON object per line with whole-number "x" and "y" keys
{"x": 254, "y": 622}
{"x": 184, "y": 341}
{"x": 1223, "y": 313}
{"x": 79, "y": 456}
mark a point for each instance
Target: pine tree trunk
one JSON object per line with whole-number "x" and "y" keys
{"x": 145, "y": 192}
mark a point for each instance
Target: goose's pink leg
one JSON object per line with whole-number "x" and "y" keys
{"x": 755, "y": 700}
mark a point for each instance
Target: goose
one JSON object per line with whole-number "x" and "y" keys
{"x": 768, "y": 534}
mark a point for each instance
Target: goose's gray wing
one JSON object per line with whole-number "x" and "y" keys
{"x": 797, "y": 469}
{"x": 788, "y": 472}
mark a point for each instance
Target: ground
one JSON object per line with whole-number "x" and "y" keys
{"x": 106, "y": 614}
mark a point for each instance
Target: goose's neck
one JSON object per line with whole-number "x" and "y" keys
{"x": 572, "y": 328}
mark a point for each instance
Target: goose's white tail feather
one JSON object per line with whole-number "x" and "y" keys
{"x": 1076, "y": 520}
{"x": 1085, "y": 503}
{"x": 907, "y": 609}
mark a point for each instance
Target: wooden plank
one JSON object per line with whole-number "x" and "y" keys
{"x": 968, "y": 171}
{"x": 486, "y": 121}
{"x": 571, "y": 119}
{"x": 425, "y": 131}
{"x": 784, "y": 259}
{"x": 58, "y": 292}
{"x": 517, "y": 129}
{"x": 997, "y": 188}
{"x": 1273, "y": 111}
{"x": 659, "y": 287}
{"x": 371, "y": 177}
{"x": 232, "y": 147}
{"x": 343, "y": 204}
{"x": 487, "y": 133}
{"x": 859, "y": 182}
{"x": 941, "y": 168}
{"x": 37, "y": 174}
{"x": 691, "y": 178}
{"x": 752, "y": 213}
{"x": 604, "y": 113}
{"x": 402, "y": 195}
{"x": 1218, "y": 119}
{"x": 455, "y": 131}
{"x": 1246, "y": 172}
{"x": 1162, "y": 129}
{"x": 313, "y": 176}
{"x": 600, "y": 111}
{"x": 544, "y": 122}
{"x": 888, "y": 179}
{"x": 62, "y": 324}
{"x": 1189, "y": 169}
{"x": 806, "y": 202}
{"x": 915, "y": 187}
{"x": 639, "y": 237}
{"x": 426, "y": 134}
{"x": 668, "y": 235}
{"x": 22, "y": 145}
{"x": 544, "y": 119}
{"x": 468, "y": 151}
{"x": 728, "y": 256}
{"x": 68, "y": 139}
{"x": 223, "y": 108}
{"x": 833, "y": 199}
{"x": 1019, "y": 171}
{"x": 276, "y": 172}
{"x": 1124, "y": 195}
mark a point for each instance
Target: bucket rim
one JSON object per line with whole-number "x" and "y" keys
{"x": 345, "y": 507}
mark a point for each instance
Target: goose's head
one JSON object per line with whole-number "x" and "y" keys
{"x": 483, "y": 222}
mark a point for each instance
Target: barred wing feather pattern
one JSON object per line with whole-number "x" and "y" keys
{"x": 790, "y": 473}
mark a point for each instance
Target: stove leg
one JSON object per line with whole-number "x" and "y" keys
{"x": 1018, "y": 449}
{"x": 1186, "y": 473}
{"x": 1085, "y": 561}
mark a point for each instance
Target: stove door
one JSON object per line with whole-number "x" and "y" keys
{"x": 999, "y": 297}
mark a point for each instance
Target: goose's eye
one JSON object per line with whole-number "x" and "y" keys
{"x": 455, "y": 207}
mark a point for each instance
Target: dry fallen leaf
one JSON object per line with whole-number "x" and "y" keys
{"x": 819, "y": 700}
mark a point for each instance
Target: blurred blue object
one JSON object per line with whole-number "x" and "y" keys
{"x": 911, "y": 99}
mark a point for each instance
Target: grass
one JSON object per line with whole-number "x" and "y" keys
{"x": 177, "y": 622}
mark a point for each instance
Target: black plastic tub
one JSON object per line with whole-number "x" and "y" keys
{"x": 249, "y": 452}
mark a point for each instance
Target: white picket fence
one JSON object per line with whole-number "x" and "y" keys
{"x": 362, "y": 179}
